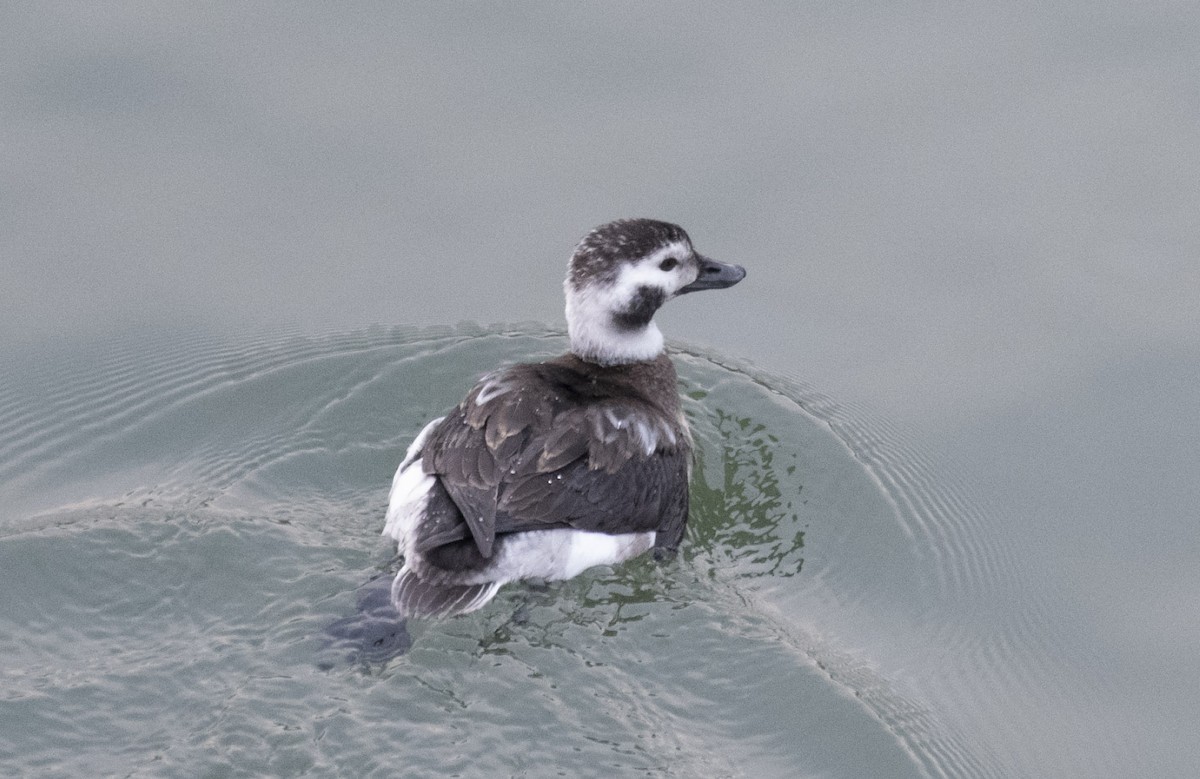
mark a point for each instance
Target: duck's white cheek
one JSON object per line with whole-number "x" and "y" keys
{"x": 684, "y": 280}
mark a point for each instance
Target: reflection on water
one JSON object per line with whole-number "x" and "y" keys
{"x": 746, "y": 515}
{"x": 181, "y": 522}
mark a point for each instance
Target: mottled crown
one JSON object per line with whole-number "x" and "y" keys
{"x": 599, "y": 255}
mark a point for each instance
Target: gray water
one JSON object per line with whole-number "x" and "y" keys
{"x": 946, "y": 498}
{"x": 171, "y": 620}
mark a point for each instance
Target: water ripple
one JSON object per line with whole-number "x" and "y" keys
{"x": 828, "y": 562}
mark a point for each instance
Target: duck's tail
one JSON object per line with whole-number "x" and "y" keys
{"x": 415, "y": 597}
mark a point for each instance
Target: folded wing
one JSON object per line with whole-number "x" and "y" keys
{"x": 528, "y": 450}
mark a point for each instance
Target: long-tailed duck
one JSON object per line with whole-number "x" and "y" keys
{"x": 548, "y": 469}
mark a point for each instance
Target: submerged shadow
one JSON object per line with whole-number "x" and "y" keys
{"x": 373, "y": 635}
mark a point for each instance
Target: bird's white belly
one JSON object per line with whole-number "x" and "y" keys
{"x": 562, "y": 553}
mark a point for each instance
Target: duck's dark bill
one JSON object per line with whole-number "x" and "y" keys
{"x": 714, "y": 275}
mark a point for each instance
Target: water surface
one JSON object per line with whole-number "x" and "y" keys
{"x": 975, "y": 220}
{"x": 183, "y": 522}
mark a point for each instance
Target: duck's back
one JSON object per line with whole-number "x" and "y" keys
{"x": 560, "y": 444}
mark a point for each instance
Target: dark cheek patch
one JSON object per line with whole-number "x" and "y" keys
{"x": 641, "y": 309}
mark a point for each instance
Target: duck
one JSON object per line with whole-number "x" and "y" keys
{"x": 547, "y": 469}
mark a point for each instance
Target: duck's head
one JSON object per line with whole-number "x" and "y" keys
{"x": 620, "y": 274}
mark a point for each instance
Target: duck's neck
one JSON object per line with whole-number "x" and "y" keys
{"x": 597, "y": 337}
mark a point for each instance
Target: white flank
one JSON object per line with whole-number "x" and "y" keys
{"x": 590, "y": 549}
{"x": 410, "y": 492}
{"x": 561, "y": 553}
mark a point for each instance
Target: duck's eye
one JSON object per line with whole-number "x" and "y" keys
{"x": 668, "y": 264}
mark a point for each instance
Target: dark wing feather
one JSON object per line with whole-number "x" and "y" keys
{"x": 561, "y": 446}
{"x": 633, "y": 499}
{"x": 528, "y": 451}
{"x": 442, "y": 521}
{"x": 452, "y": 453}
